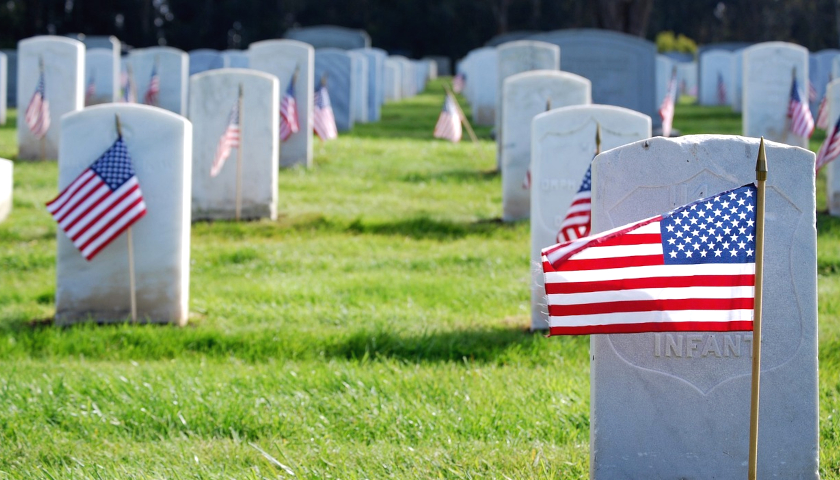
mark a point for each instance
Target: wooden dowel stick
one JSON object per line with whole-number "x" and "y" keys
{"x": 761, "y": 176}
{"x": 461, "y": 115}
{"x": 131, "y": 285}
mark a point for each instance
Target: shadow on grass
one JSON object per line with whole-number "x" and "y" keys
{"x": 452, "y": 176}
{"x": 423, "y": 228}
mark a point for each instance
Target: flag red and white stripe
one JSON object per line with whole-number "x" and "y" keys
{"x": 801, "y": 120}
{"x": 830, "y": 149}
{"x": 323, "y": 119}
{"x": 675, "y": 272}
{"x": 37, "y": 115}
{"x": 101, "y": 203}
{"x": 578, "y": 220}
{"x": 822, "y": 114}
{"x": 666, "y": 110}
{"x": 448, "y": 126}
{"x": 812, "y": 92}
{"x": 230, "y": 139}
{"x": 289, "y": 123}
{"x": 153, "y": 90}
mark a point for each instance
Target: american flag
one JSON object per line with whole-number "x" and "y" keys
{"x": 459, "y": 82}
{"x": 830, "y": 149}
{"x": 448, "y": 126}
{"x": 101, "y": 203}
{"x": 37, "y": 115}
{"x": 721, "y": 90}
{"x": 691, "y": 269}
{"x": 323, "y": 119}
{"x": 91, "y": 89}
{"x": 289, "y": 123}
{"x": 666, "y": 110}
{"x": 578, "y": 218}
{"x": 526, "y": 182}
{"x": 229, "y": 139}
{"x": 153, "y": 91}
{"x": 812, "y": 92}
{"x": 822, "y": 113}
{"x": 801, "y": 121}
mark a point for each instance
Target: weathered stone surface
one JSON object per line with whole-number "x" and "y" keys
{"x": 212, "y": 95}
{"x": 63, "y": 60}
{"x": 767, "y": 82}
{"x": 714, "y": 64}
{"x": 526, "y": 95}
{"x": 160, "y": 144}
{"x": 6, "y": 186}
{"x": 205, "y": 59}
{"x": 282, "y": 58}
{"x": 563, "y": 144}
{"x": 330, "y": 36}
{"x": 336, "y": 66}
{"x": 676, "y": 405}
{"x": 103, "y": 73}
{"x": 173, "y": 73}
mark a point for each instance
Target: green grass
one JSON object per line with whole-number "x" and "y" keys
{"x": 376, "y": 329}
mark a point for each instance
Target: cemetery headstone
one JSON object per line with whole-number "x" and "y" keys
{"x": 337, "y": 67}
{"x": 443, "y": 65}
{"x": 677, "y": 404}
{"x": 832, "y": 181}
{"x": 664, "y": 68}
{"x": 101, "y": 77}
{"x": 160, "y": 145}
{"x": 212, "y": 96}
{"x": 510, "y": 37}
{"x": 205, "y": 59}
{"x": 819, "y": 71}
{"x": 687, "y": 76}
{"x": 562, "y": 148}
{"x": 526, "y": 95}
{"x": 393, "y": 80}
{"x": 11, "y": 77}
{"x": 171, "y": 67}
{"x": 63, "y": 62}
{"x": 282, "y": 58}
{"x": 375, "y": 81}
{"x": 6, "y": 186}
{"x": 482, "y": 81}
{"x": 768, "y": 69}
{"x": 715, "y": 66}
{"x": 621, "y": 67}
{"x": 737, "y": 97}
{"x": 330, "y": 36}
{"x": 235, "y": 59}
{"x": 433, "y": 72}
{"x": 360, "y": 86}
{"x": 421, "y": 74}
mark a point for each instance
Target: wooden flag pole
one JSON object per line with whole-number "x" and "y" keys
{"x": 597, "y": 138}
{"x": 131, "y": 286}
{"x": 761, "y": 177}
{"x": 461, "y": 115}
{"x": 239, "y": 160}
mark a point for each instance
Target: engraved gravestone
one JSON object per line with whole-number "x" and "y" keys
{"x": 282, "y": 58}
{"x": 525, "y": 96}
{"x": 563, "y": 144}
{"x": 677, "y": 405}
{"x": 212, "y": 95}
{"x": 393, "y": 80}
{"x": 715, "y": 66}
{"x": 205, "y": 59}
{"x": 832, "y": 180}
{"x": 621, "y": 67}
{"x": 330, "y": 36}
{"x": 337, "y": 67}
{"x": 6, "y": 186}
{"x": 63, "y": 62}
{"x": 171, "y": 66}
{"x": 360, "y": 86}
{"x": 160, "y": 144}
{"x": 101, "y": 77}
{"x": 768, "y": 69}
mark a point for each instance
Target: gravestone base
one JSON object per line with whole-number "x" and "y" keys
{"x": 248, "y": 212}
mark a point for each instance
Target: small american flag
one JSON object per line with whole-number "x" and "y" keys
{"x": 323, "y": 119}
{"x": 666, "y": 110}
{"x": 459, "y": 82}
{"x": 721, "y": 90}
{"x": 153, "y": 91}
{"x": 801, "y": 121}
{"x": 812, "y": 92}
{"x": 448, "y": 126}
{"x": 830, "y": 149}
{"x": 101, "y": 203}
{"x": 691, "y": 269}
{"x": 822, "y": 114}
{"x": 90, "y": 91}
{"x": 578, "y": 220}
{"x": 38, "y": 111}
{"x": 526, "y": 182}
{"x": 229, "y": 139}
{"x": 289, "y": 123}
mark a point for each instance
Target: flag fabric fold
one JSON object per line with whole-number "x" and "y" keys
{"x": 289, "y": 123}
{"x": 229, "y": 139}
{"x": 691, "y": 269}
{"x": 323, "y": 119}
{"x": 822, "y": 114}
{"x": 37, "y": 116}
{"x": 578, "y": 220}
{"x": 801, "y": 120}
{"x": 100, "y": 203}
{"x": 448, "y": 126}
{"x": 830, "y": 149}
{"x": 666, "y": 110}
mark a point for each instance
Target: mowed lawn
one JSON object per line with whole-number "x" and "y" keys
{"x": 377, "y": 329}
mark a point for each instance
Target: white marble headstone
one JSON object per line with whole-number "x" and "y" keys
{"x": 563, "y": 145}
{"x": 527, "y": 95}
{"x": 11, "y": 77}
{"x": 337, "y": 67}
{"x": 360, "y": 86}
{"x": 281, "y": 58}
{"x": 677, "y": 405}
{"x": 160, "y": 144}
{"x": 408, "y": 88}
{"x": 6, "y": 186}
{"x": 482, "y": 77}
{"x": 103, "y": 73}
{"x": 714, "y": 64}
{"x": 375, "y": 79}
{"x": 64, "y": 69}
{"x": 687, "y": 75}
{"x": 832, "y": 181}
{"x": 737, "y": 94}
{"x": 173, "y": 73}
{"x": 393, "y": 80}
{"x": 235, "y": 59}
{"x": 664, "y": 68}
{"x": 212, "y": 96}
{"x": 330, "y": 36}
{"x": 768, "y": 69}
{"x": 205, "y": 59}
{"x": 819, "y": 70}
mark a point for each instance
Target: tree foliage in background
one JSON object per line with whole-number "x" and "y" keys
{"x": 668, "y": 42}
{"x": 416, "y": 27}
